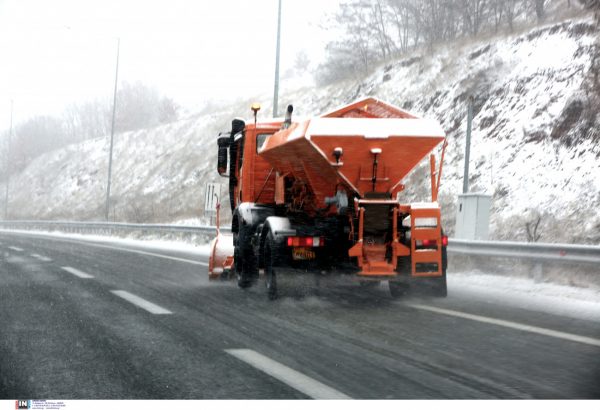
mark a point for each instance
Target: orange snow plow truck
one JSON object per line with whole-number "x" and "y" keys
{"x": 322, "y": 196}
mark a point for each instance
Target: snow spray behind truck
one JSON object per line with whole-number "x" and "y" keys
{"x": 321, "y": 196}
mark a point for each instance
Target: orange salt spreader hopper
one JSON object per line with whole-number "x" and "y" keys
{"x": 341, "y": 147}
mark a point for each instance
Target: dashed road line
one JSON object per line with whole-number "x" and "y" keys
{"x": 77, "y": 272}
{"x": 41, "y": 257}
{"x": 287, "y": 375}
{"x": 513, "y": 325}
{"x": 143, "y": 303}
{"x": 15, "y": 248}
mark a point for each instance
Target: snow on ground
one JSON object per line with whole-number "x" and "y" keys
{"x": 202, "y": 249}
{"x": 577, "y": 303}
{"x": 194, "y": 221}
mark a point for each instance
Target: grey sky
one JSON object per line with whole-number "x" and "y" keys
{"x": 62, "y": 51}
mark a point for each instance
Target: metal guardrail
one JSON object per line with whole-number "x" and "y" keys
{"x": 520, "y": 250}
{"x": 87, "y": 227}
{"x": 524, "y": 250}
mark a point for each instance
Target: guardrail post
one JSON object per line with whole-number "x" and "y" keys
{"x": 538, "y": 272}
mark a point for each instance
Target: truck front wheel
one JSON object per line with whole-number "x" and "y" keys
{"x": 246, "y": 267}
{"x": 243, "y": 280}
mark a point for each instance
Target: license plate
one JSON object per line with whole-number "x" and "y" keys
{"x": 303, "y": 254}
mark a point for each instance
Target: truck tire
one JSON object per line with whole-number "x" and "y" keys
{"x": 435, "y": 286}
{"x": 439, "y": 286}
{"x": 270, "y": 274}
{"x": 246, "y": 263}
{"x": 243, "y": 280}
{"x": 246, "y": 267}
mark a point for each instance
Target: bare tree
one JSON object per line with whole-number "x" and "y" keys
{"x": 593, "y": 5}
{"x": 401, "y": 17}
{"x": 473, "y": 12}
{"x": 380, "y": 16}
{"x": 87, "y": 120}
{"x": 140, "y": 106}
{"x": 374, "y": 30}
{"x": 432, "y": 19}
{"x": 531, "y": 228}
{"x": 33, "y": 137}
{"x": 497, "y": 10}
{"x": 354, "y": 54}
{"x": 302, "y": 62}
{"x": 4, "y": 154}
{"x": 510, "y": 11}
{"x": 168, "y": 110}
{"x": 344, "y": 61}
{"x": 539, "y": 9}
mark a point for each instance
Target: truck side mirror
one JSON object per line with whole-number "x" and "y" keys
{"x": 223, "y": 143}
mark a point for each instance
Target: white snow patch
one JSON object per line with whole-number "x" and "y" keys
{"x": 568, "y": 301}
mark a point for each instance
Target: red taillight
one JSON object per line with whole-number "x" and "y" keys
{"x": 306, "y": 241}
{"x": 427, "y": 243}
{"x": 445, "y": 240}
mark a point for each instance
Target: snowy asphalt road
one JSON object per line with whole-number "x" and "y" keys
{"x": 84, "y": 320}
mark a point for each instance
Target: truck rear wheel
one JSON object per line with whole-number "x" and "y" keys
{"x": 270, "y": 274}
{"x": 437, "y": 286}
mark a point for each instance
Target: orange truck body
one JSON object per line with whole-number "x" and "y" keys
{"x": 322, "y": 195}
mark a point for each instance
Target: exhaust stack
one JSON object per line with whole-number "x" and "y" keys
{"x": 288, "y": 117}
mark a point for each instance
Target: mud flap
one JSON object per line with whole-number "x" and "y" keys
{"x": 220, "y": 261}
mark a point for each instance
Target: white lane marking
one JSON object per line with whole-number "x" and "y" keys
{"x": 41, "y": 257}
{"x": 143, "y": 303}
{"x": 513, "y": 325}
{"x": 84, "y": 242}
{"x": 144, "y": 253}
{"x": 14, "y": 248}
{"x": 77, "y": 272}
{"x": 291, "y": 377}
{"x": 152, "y": 254}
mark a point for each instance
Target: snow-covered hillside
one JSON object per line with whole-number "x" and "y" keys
{"x": 158, "y": 175}
{"x": 535, "y": 144}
